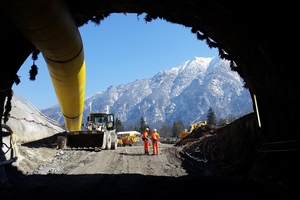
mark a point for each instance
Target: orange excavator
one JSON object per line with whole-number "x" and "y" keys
{"x": 194, "y": 133}
{"x": 193, "y": 126}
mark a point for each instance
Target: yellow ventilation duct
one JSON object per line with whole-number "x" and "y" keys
{"x": 49, "y": 25}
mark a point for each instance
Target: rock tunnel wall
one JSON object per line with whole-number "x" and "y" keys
{"x": 245, "y": 153}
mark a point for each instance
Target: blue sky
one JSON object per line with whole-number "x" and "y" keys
{"x": 120, "y": 50}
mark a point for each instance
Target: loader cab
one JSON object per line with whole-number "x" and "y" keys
{"x": 101, "y": 119}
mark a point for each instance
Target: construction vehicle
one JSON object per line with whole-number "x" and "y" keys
{"x": 99, "y": 134}
{"x": 128, "y": 138}
{"x": 192, "y": 127}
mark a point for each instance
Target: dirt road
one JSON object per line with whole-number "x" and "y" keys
{"x": 125, "y": 173}
{"x": 124, "y": 160}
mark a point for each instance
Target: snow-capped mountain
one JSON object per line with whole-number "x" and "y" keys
{"x": 184, "y": 93}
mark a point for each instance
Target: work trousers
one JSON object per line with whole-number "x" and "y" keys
{"x": 155, "y": 147}
{"x": 146, "y": 146}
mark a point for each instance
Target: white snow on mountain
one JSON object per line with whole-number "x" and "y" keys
{"x": 184, "y": 93}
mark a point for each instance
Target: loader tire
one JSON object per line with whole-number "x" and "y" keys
{"x": 104, "y": 141}
{"x": 114, "y": 144}
{"x": 108, "y": 141}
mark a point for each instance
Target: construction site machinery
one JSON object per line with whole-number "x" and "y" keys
{"x": 192, "y": 127}
{"x": 128, "y": 138}
{"x": 99, "y": 133}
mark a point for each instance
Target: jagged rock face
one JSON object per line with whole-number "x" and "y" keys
{"x": 243, "y": 152}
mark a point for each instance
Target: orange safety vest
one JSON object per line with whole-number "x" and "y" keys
{"x": 145, "y": 135}
{"x": 155, "y": 136}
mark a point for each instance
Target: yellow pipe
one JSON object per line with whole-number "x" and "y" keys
{"x": 49, "y": 25}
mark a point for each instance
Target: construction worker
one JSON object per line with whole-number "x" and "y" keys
{"x": 146, "y": 140}
{"x": 155, "y": 138}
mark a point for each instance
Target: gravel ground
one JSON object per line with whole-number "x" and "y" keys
{"x": 42, "y": 172}
{"x": 47, "y": 173}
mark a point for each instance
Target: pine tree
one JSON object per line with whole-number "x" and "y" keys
{"x": 143, "y": 125}
{"x": 211, "y": 117}
{"x": 177, "y": 128}
{"x": 119, "y": 126}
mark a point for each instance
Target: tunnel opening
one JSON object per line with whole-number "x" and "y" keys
{"x": 152, "y": 46}
{"x": 245, "y": 37}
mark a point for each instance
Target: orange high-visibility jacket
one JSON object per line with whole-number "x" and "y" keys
{"x": 155, "y": 136}
{"x": 145, "y": 135}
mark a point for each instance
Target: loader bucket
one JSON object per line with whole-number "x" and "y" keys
{"x": 85, "y": 139}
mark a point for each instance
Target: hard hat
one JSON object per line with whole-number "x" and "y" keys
{"x": 154, "y": 130}
{"x": 147, "y": 129}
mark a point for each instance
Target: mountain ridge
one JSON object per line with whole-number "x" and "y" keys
{"x": 183, "y": 93}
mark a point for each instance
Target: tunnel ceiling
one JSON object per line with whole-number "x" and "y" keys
{"x": 221, "y": 25}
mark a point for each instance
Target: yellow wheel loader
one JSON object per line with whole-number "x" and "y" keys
{"x": 99, "y": 134}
